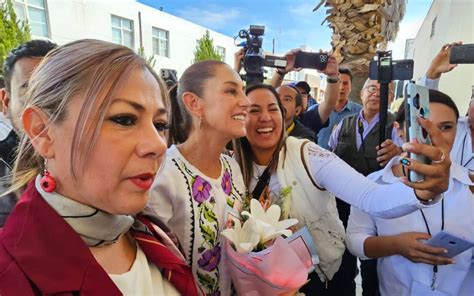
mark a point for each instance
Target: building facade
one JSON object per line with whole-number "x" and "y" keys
{"x": 171, "y": 40}
{"x": 447, "y": 21}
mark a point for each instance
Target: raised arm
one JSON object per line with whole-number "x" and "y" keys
{"x": 440, "y": 63}
{"x": 386, "y": 201}
{"x": 277, "y": 78}
{"x": 331, "y": 95}
{"x": 238, "y": 57}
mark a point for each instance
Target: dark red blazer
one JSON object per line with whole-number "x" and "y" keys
{"x": 41, "y": 254}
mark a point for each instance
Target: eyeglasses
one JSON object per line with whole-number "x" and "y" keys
{"x": 373, "y": 89}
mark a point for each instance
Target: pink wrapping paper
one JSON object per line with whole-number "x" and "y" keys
{"x": 278, "y": 270}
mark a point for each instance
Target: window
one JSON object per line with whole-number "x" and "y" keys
{"x": 122, "y": 31}
{"x": 221, "y": 51}
{"x": 33, "y": 12}
{"x": 161, "y": 42}
{"x": 433, "y": 26}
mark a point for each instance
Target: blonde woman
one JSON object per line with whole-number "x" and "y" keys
{"x": 94, "y": 122}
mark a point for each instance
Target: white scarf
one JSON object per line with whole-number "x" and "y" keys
{"x": 95, "y": 227}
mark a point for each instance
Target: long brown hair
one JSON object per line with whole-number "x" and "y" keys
{"x": 90, "y": 69}
{"x": 242, "y": 148}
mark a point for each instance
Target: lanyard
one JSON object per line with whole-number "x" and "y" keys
{"x": 462, "y": 152}
{"x": 360, "y": 128}
{"x": 291, "y": 127}
{"x": 435, "y": 267}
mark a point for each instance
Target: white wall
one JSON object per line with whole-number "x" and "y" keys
{"x": 76, "y": 19}
{"x": 454, "y": 23}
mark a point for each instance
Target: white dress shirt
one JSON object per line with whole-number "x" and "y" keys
{"x": 396, "y": 273}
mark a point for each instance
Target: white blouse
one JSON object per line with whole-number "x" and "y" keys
{"x": 144, "y": 278}
{"x": 195, "y": 208}
{"x": 397, "y": 274}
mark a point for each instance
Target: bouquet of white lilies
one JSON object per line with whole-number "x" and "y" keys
{"x": 265, "y": 257}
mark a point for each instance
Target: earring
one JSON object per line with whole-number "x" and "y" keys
{"x": 47, "y": 182}
{"x": 200, "y": 122}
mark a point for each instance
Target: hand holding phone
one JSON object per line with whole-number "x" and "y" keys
{"x": 462, "y": 54}
{"x": 311, "y": 60}
{"x": 417, "y": 105}
{"x": 454, "y": 244}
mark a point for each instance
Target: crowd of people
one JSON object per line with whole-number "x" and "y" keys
{"x": 114, "y": 184}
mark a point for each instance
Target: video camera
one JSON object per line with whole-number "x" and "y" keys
{"x": 255, "y": 59}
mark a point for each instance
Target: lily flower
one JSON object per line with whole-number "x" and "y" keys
{"x": 244, "y": 238}
{"x": 268, "y": 222}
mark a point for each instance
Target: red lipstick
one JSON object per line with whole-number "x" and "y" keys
{"x": 143, "y": 181}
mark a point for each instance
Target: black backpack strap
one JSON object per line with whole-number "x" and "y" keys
{"x": 263, "y": 182}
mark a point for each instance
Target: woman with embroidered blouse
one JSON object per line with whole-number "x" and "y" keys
{"x": 296, "y": 174}
{"x": 198, "y": 185}
{"x": 94, "y": 127}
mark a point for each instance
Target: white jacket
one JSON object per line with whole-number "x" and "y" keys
{"x": 314, "y": 207}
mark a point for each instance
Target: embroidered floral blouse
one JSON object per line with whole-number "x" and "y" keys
{"x": 196, "y": 207}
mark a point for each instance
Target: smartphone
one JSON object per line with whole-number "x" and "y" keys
{"x": 401, "y": 70}
{"x": 417, "y": 104}
{"x": 311, "y": 60}
{"x": 454, "y": 244}
{"x": 462, "y": 54}
{"x": 275, "y": 61}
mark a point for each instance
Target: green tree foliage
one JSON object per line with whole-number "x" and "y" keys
{"x": 205, "y": 50}
{"x": 12, "y": 31}
{"x": 151, "y": 61}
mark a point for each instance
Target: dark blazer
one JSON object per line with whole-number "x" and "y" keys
{"x": 41, "y": 254}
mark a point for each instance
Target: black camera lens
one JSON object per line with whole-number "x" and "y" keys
{"x": 422, "y": 112}
{"x": 424, "y": 133}
{"x": 416, "y": 101}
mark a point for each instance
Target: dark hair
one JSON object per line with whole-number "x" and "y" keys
{"x": 2, "y": 82}
{"x": 298, "y": 98}
{"x": 192, "y": 80}
{"x": 33, "y": 48}
{"x": 435, "y": 97}
{"x": 346, "y": 71}
{"x": 242, "y": 148}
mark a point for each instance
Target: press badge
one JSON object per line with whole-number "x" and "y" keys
{"x": 419, "y": 289}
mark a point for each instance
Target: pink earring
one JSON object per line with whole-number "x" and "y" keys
{"x": 47, "y": 182}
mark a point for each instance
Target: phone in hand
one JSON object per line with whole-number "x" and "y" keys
{"x": 462, "y": 54}
{"x": 275, "y": 61}
{"x": 311, "y": 60}
{"x": 417, "y": 104}
{"x": 454, "y": 244}
{"x": 401, "y": 70}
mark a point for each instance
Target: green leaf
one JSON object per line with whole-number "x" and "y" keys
{"x": 209, "y": 214}
{"x": 208, "y": 234}
{"x": 206, "y": 280}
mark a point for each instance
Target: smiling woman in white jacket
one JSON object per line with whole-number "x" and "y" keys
{"x": 307, "y": 171}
